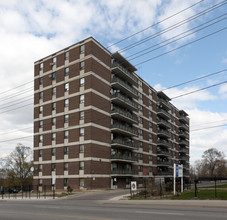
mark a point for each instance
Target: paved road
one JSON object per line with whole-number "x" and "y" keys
{"x": 97, "y": 206}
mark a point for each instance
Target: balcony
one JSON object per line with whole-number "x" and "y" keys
{"x": 125, "y": 158}
{"x": 122, "y": 115}
{"x": 184, "y": 157}
{"x": 123, "y": 129}
{"x": 183, "y": 118}
{"x": 164, "y": 173}
{"x": 184, "y": 134}
{"x": 163, "y": 122}
{"x": 164, "y": 133}
{"x": 123, "y": 101}
{"x": 185, "y": 150}
{"x": 163, "y": 152}
{"x": 183, "y": 126}
{"x": 164, "y": 143}
{"x": 184, "y": 142}
{"x": 163, "y": 102}
{"x": 163, "y": 113}
{"x": 121, "y": 85}
{"x": 123, "y": 144}
{"x": 123, "y": 72}
{"x": 164, "y": 163}
{"x": 124, "y": 172}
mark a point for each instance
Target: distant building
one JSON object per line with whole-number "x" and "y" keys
{"x": 97, "y": 124}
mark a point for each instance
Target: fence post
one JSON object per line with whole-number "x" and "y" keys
{"x": 215, "y": 187}
{"x": 44, "y": 191}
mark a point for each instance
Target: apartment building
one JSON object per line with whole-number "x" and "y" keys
{"x": 97, "y": 124}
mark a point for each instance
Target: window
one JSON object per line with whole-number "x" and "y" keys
{"x": 53, "y": 167}
{"x": 41, "y": 81}
{"x": 140, "y": 120}
{"x": 81, "y": 98}
{"x": 81, "y": 131}
{"x": 53, "y": 106}
{"x": 66, "y": 150}
{"x": 141, "y": 144}
{"x": 40, "y": 138}
{"x": 82, "y": 65}
{"x": 54, "y": 60}
{"x": 140, "y": 107}
{"x": 41, "y": 110}
{"x": 53, "y": 151}
{"x": 41, "y": 95}
{"x": 150, "y": 124}
{"x": 54, "y": 91}
{"x": 150, "y": 147}
{"x": 66, "y": 166}
{"x": 140, "y": 156}
{"x": 150, "y": 92}
{"x": 41, "y": 66}
{"x": 140, "y": 83}
{"x": 67, "y": 71}
{"x": 82, "y": 115}
{"x": 66, "y": 134}
{"x": 40, "y": 167}
{"x": 81, "y": 165}
{"x": 67, "y": 55}
{"x": 150, "y": 102}
{"x": 140, "y": 131}
{"x": 81, "y": 182}
{"x": 140, "y": 168}
{"x": 150, "y": 157}
{"x": 53, "y": 136}
{"x": 66, "y": 119}
{"x": 150, "y": 136}
{"x": 40, "y": 153}
{"x": 66, "y": 102}
{"x": 82, "y": 81}
{"x": 150, "y": 170}
{"x": 54, "y": 76}
{"x": 81, "y": 148}
{"x": 53, "y": 121}
{"x": 140, "y": 96}
{"x": 67, "y": 87}
{"x": 40, "y": 124}
{"x": 150, "y": 113}
{"x": 82, "y": 48}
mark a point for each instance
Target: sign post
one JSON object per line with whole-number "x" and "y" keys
{"x": 177, "y": 172}
{"x": 133, "y": 187}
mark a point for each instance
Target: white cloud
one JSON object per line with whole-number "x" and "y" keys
{"x": 223, "y": 91}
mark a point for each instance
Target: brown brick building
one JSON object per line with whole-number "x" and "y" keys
{"x": 97, "y": 124}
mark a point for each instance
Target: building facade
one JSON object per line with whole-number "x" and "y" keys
{"x": 97, "y": 124}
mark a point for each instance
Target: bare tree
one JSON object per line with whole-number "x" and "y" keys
{"x": 17, "y": 167}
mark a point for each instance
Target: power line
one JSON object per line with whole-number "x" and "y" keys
{"x": 16, "y": 108}
{"x": 177, "y": 39}
{"x": 193, "y": 80}
{"x": 184, "y": 45}
{"x": 208, "y": 127}
{"x": 172, "y": 27}
{"x": 155, "y": 24}
{"x": 198, "y": 90}
{"x": 209, "y": 122}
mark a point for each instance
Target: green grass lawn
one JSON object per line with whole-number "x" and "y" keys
{"x": 202, "y": 194}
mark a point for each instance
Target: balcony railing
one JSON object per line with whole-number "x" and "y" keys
{"x": 164, "y": 173}
{"x": 163, "y": 101}
{"x": 124, "y": 70}
{"x": 164, "y": 122}
{"x": 163, "y": 132}
{"x": 124, "y": 114}
{"x": 184, "y": 118}
{"x": 124, "y": 172}
{"x": 164, "y": 152}
{"x": 185, "y": 150}
{"x": 125, "y": 85}
{"x": 123, "y": 128}
{"x": 163, "y": 142}
{"x": 183, "y": 142}
{"x": 123, "y": 157}
{"x": 124, "y": 100}
{"x": 185, "y": 134}
{"x": 164, "y": 163}
{"x": 124, "y": 143}
{"x": 181, "y": 125}
{"x": 183, "y": 158}
{"x": 159, "y": 110}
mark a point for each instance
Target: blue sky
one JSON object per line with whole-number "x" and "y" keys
{"x": 30, "y": 30}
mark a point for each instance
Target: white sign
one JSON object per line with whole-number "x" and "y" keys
{"x": 178, "y": 170}
{"x": 53, "y": 180}
{"x": 133, "y": 186}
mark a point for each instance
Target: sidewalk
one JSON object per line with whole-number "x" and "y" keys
{"x": 189, "y": 203}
